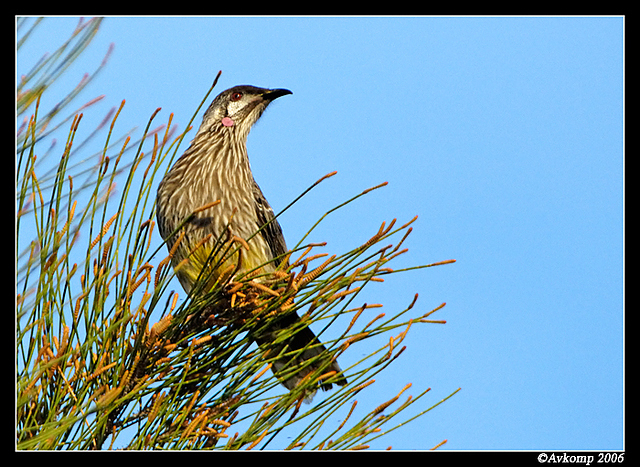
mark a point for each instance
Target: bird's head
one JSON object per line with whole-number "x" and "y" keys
{"x": 239, "y": 107}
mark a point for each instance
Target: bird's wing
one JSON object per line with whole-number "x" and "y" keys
{"x": 271, "y": 232}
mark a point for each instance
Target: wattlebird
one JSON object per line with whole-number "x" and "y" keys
{"x": 216, "y": 168}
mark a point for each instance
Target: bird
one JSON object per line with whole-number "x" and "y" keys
{"x": 216, "y": 168}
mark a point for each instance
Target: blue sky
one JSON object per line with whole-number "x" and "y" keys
{"x": 504, "y": 135}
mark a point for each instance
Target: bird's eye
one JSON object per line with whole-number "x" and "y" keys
{"x": 236, "y": 96}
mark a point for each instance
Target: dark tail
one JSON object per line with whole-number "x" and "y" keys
{"x": 304, "y": 338}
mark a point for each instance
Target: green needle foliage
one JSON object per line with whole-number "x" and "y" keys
{"x": 105, "y": 355}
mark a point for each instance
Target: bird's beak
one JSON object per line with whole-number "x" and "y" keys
{"x": 275, "y": 93}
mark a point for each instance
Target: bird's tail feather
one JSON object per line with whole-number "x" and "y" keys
{"x": 301, "y": 353}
